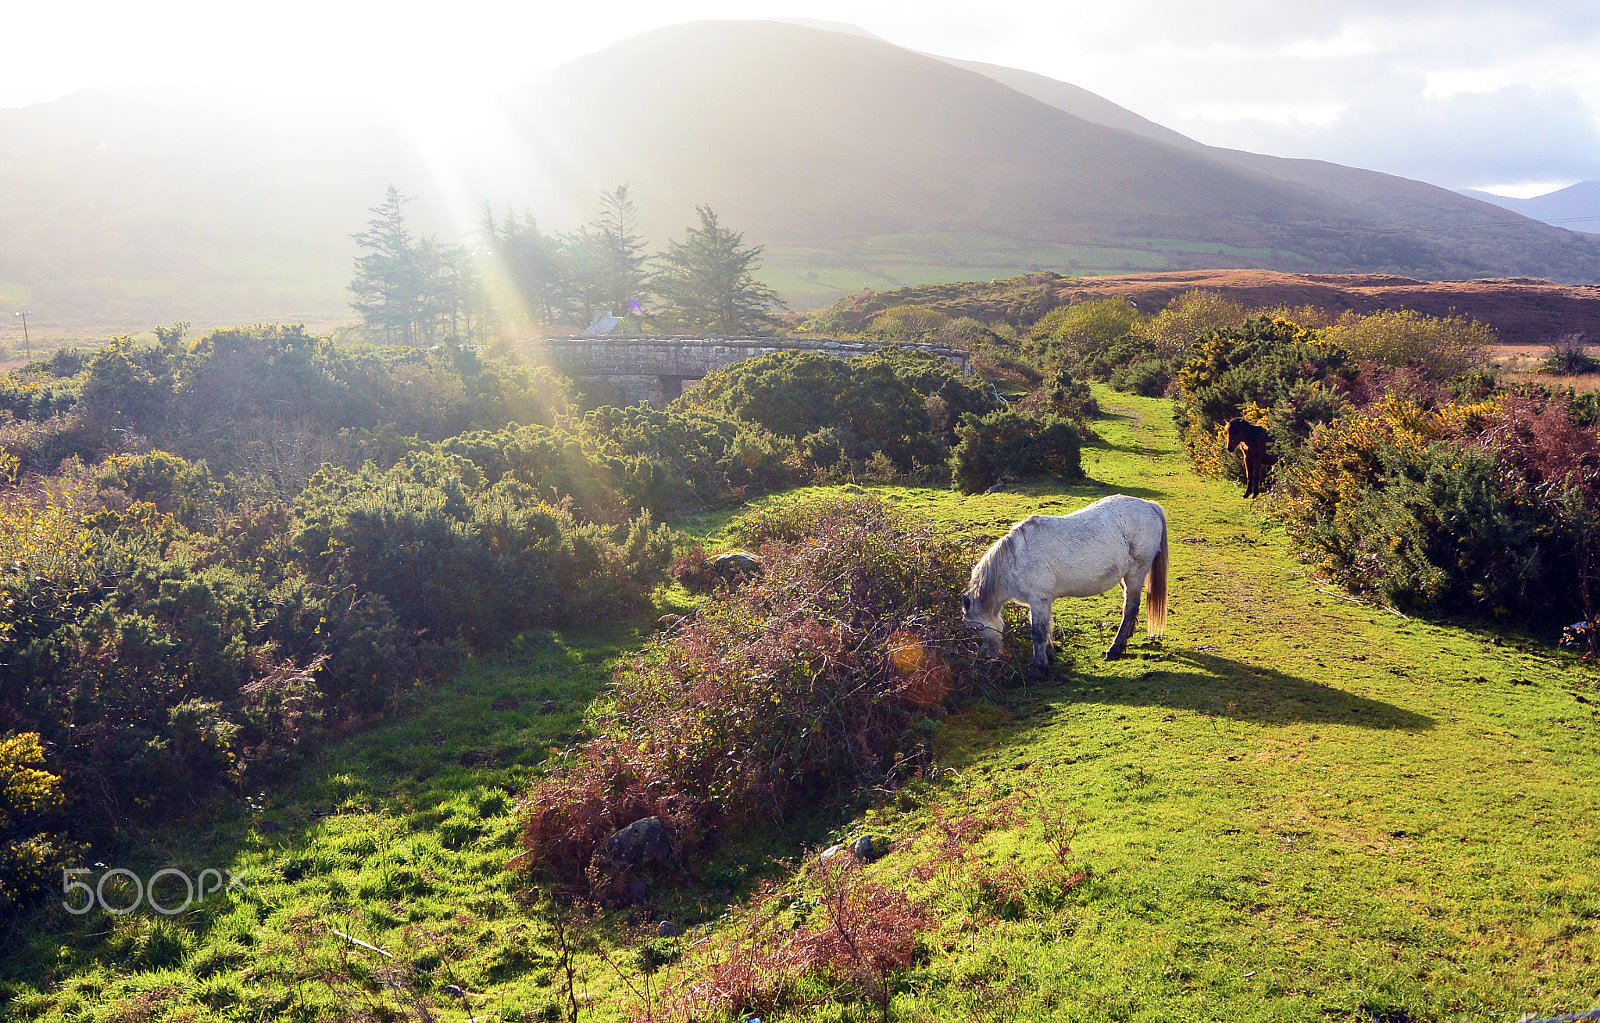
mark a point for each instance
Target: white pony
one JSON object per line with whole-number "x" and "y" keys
{"x": 1116, "y": 539}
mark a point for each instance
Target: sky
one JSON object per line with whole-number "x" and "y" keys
{"x": 1483, "y": 94}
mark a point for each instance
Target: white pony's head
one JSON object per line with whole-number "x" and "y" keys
{"x": 980, "y": 611}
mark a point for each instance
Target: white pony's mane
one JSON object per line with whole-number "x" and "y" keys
{"x": 997, "y": 563}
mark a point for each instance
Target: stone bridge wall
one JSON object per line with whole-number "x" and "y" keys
{"x": 656, "y": 369}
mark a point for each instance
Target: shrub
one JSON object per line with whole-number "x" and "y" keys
{"x": 182, "y": 489}
{"x": 1009, "y": 442}
{"x": 1082, "y": 332}
{"x": 877, "y": 403}
{"x": 1439, "y": 347}
{"x": 907, "y": 323}
{"x": 1479, "y": 509}
{"x": 1061, "y": 395}
{"x": 868, "y": 933}
{"x": 806, "y": 680}
{"x": 1106, "y": 340}
{"x": 1265, "y": 362}
{"x": 1569, "y": 357}
{"x": 30, "y": 800}
{"x": 1189, "y": 316}
{"x": 263, "y": 401}
{"x": 460, "y": 558}
{"x": 1002, "y": 365}
{"x": 162, "y": 665}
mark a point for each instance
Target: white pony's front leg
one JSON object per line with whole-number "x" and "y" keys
{"x": 1132, "y": 587}
{"x": 1039, "y": 618}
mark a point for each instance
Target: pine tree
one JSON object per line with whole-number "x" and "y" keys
{"x": 533, "y": 264}
{"x": 386, "y": 284}
{"x": 707, "y": 282}
{"x": 619, "y": 255}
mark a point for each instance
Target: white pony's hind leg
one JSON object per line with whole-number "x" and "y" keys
{"x": 1039, "y": 619}
{"x": 1132, "y": 586}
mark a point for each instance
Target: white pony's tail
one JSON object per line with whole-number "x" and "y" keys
{"x": 1156, "y": 612}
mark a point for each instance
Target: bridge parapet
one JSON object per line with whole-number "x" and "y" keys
{"x": 655, "y": 369}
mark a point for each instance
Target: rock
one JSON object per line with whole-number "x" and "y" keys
{"x": 668, "y": 929}
{"x": 829, "y": 853}
{"x": 643, "y": 841}
{"x": 736, "y": 563}
{"x": 637, "y": 891}
{"x": 995, "y": 489}
{"x": 453, "y": 991}
{"x": 269, "y": 827}
{"x": 868, "y": 848}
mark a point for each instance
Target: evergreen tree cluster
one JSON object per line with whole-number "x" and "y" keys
{"x": 412, "y": 290}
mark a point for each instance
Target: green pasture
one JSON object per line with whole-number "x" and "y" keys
{"x": 807, "y": 276}
{"x": 1298, "y": 807}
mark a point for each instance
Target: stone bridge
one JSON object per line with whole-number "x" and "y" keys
{"x": 656, "y": 369}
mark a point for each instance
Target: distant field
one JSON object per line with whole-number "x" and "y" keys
{"x": 810, "y": 278}
{"x": 1519, "y": 362}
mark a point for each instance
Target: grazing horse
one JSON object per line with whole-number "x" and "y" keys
{"x": 1116, "y": 539}
{"x": 1252, "y": 439}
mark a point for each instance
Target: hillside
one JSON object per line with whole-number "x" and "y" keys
{"x": 1522, "y": 311}
{"x": 856, "y": 162}
{"x": 1298, "y": 807}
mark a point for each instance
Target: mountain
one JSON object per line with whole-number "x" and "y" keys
{"x": 856, "y": 162}
{"x": 1576, "y": 207}
{"x": 1080, "y": 103}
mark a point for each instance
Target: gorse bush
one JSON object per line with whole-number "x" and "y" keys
{"x": 30, "y": 805}
{"x": 1274, "y": 365}
{"x": 902, "y": 404}
{"x": 1478, "y": 508}
{"x": 1061, "y": 395}
{"x": 1439, "y": 347}
{"x": 1569, "y": 356}
{"x": 1411, "y": 474}
{"x": 161, "y": 662}
{"x": 1107, "y": 339}
{"x": 269, "y": 402}
{"x": 1010, "y": 442}
{"x": 805, "y": 680}
{"x": 456, "y": 557}
{"x": 612, "y": 462}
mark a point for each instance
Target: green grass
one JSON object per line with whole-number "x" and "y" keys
{"x": 809, "y": 276}
{"x": 1296, "y": 808}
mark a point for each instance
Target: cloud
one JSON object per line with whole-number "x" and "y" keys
{"x": 1447, "y": 92}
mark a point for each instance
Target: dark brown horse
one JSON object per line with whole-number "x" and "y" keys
{"x": 1252, "y": 442}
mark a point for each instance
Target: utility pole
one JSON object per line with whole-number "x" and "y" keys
{"x": 27, "y": 346}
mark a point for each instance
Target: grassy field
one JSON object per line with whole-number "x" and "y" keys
{"x": 1296, "y": 808}
{"x": 811, "y": 278}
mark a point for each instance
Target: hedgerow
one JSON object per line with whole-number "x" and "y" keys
{"x": 1485, "y": 508}
{"x": 169, "y": 649}
{"x": 806, "y": 680}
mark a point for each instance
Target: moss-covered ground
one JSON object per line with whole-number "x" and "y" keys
{"x": 1297, "y": 807}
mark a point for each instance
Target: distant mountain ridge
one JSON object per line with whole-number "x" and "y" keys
{"x": 856, "y": 162}
{"x": 1576, "y": 207}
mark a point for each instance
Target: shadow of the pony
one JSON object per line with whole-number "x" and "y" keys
{"x": 1227, "y": 688}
